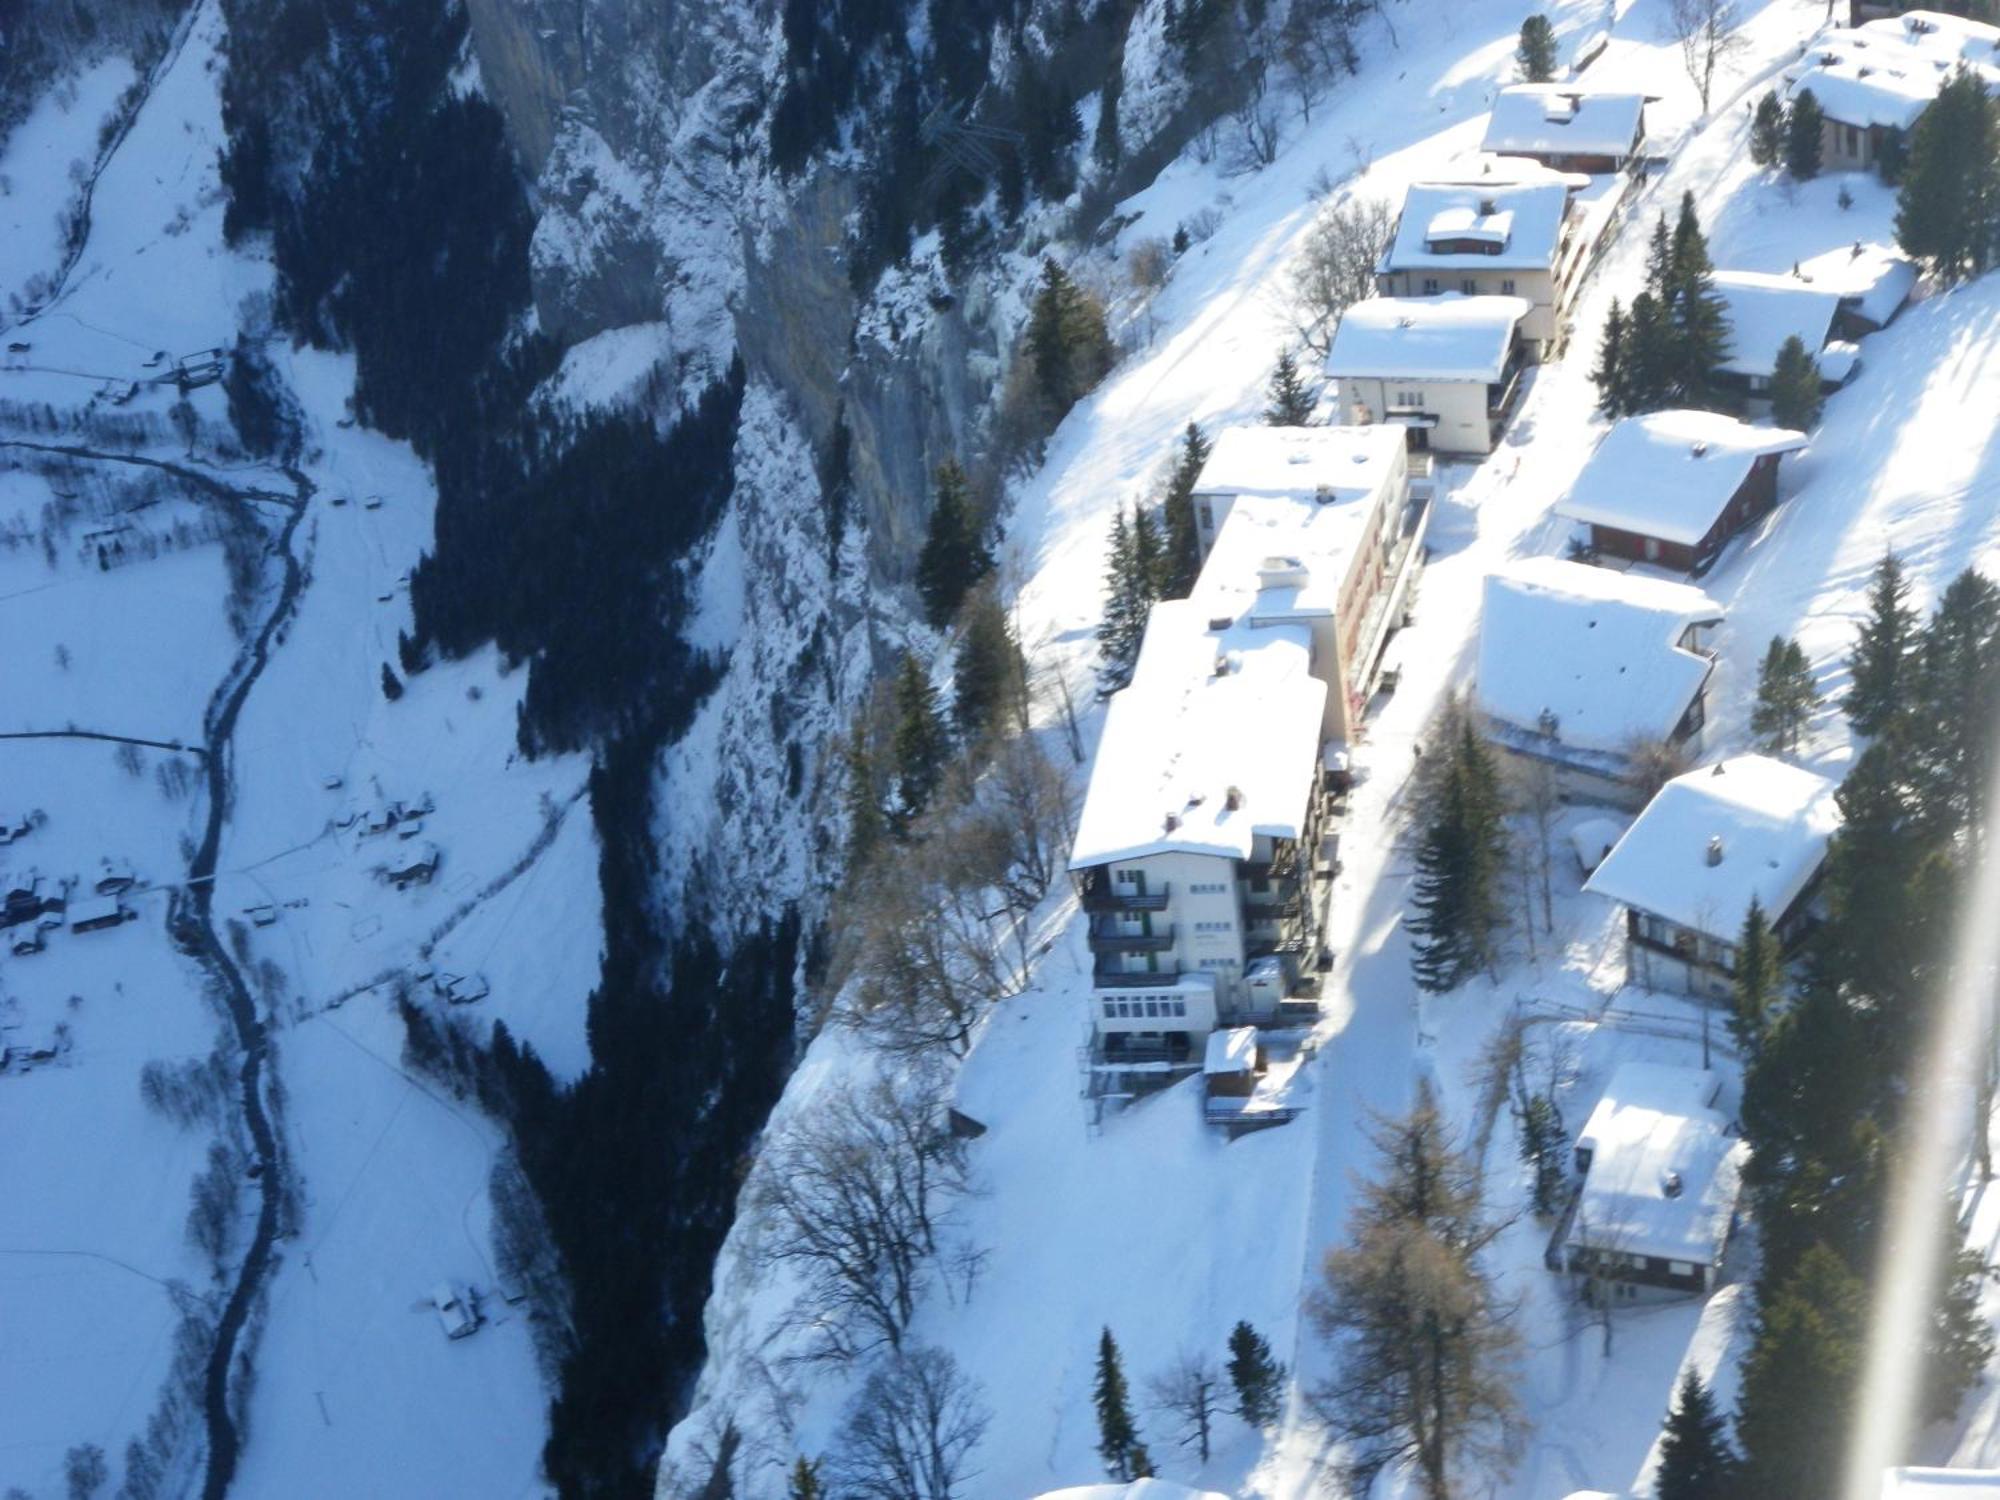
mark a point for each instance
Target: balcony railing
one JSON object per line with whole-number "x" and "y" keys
{"x": 1106, "y": 936}
{"x": 1100, "y": 894}
{"x": 1137, "y": 979}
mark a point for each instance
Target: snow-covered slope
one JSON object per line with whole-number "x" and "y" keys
{"x": 1163, "y": 1232}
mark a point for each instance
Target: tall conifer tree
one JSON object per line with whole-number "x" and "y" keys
{"x": 1878, "y": 694}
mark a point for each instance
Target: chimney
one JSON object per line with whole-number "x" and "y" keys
{"x": 1670, "y": 1183}
{"x": 1171, "y": 822}
{"x": 1234, "y": 799}
{"x": 1715, "y": 850}
{"x": 1699, "y": 448}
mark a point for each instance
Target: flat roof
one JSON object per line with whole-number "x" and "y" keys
{"x": 1670, "y": 474}
{"x": 1769, "y": 822}
{"x": 1300, "y": 462}
{"x": 1596, "y": 649}
{"x": 1232, "y": 1051}
{"x": 1664, "y": 1171}
{"x": 1546, "y": 119}
{"x": 1178, "y": 739}
{"x": 1448, "y": 337}
{"x": 1524, "y": 219}
{"x": 1765, "y": 310}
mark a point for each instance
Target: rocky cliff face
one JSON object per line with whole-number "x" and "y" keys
{"x": 643, "y": 125}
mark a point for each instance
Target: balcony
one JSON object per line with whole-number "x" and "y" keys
{"x": 1100, "y": 895}
{"x": 1139, "y": 979}
{"x": 1107, "y": 936}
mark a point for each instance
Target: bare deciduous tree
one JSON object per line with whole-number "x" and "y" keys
{"x": 851, "y": 1195}
{"x": 1537, "y": 798}
{"x": 1708, "y": 34}
{"x": 1651, "y": 764}
{"x": 1190, "y": 1393}
{"x": 1427, "y": 1347}
{"x": 910, "y": 1432}
{"x": 1336, "y": 266}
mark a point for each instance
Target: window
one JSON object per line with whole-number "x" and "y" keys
{"x": 1431, "y": 287}
{"x": 1681, "y": 1267}
{"x": 1506, "y": 286}
{"x": 1215, "y": 927}
{"x": 1652, "y": 549}
{"x": 1152, "y": 1007}
{"x": 1111, "y": 1010}
{"x": 1207, "y": 516}
{"x": 1125, "y": 1009}
{"x": 1208, "y": 888}
{"x": 1180, "y": 1007}
{"x": 1409, "y": 398}
{"x": 1469, "y": 287}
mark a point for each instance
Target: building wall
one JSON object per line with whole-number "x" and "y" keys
{"x": 1205, "y": 913}
{"x": 1462, "y": 425}
{"x": 1757, "y": 494}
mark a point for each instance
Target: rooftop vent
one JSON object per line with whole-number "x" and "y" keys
{"x": 1406, "y": 321}
{"x": 1488, "y": 207}
{"x": 1548, "y": 723}
{"x": 1171, "y": 822}
{"x": 1233, "y": 799}
{"x": 1220, "y": 622}
{"x": 1715, "y": 850}
{"x": 1670, "y": 1183}
{"x": 1699, "y": 448}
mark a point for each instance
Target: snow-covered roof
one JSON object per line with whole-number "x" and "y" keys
{"x": 1522, "y": 220}
{"x": 1596, "y": 649}
{"x": 1232, "y": 1051}
{"x": 1885, "y": 72}
{"x": 1346, "y": 463}
{"x": 1593, "y": 838}
{"x": 1549, "y": 119}
{"x": 95, "y": 909}
{"x": 1450, "y": 337}
{"x": 1765, "y": 310}
{"x": 1138, "y": 1489}
{"x": 1872, "y": 279}
{"x": 1715, "y": 838}
{"x": 1838, "y": 361}
{"x": 1215, "y": 741}
{"x": 1941, "y": 1484}
{"x": 1670, "y": 474}
{"x": 1664, "y": 1171}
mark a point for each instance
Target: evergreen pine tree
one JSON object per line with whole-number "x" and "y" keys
{"x": 1786, "y": 697}
{"x": 1291, "y": 403}
{"x": 1459, "y": 906}
{"x": 1698, "y": 317}
{"x": 804, "y": 1482}
{"x": 1793, "y": 1415}
{"x": 1660, "y": 262}
{"x": 1767, "y": 130}
{"x": 1537, "y": 52}
{"x": 986, "y": 667}
{"x": 1067, "y": 340}
{"x": 1947, "y": 210}
{"x": 1696, "y": 1462}
{"x": 1544, "y": 1147}
{"x": 1608, "y": 373}
{"x": 1878, "y": 694}
{"x": 954, "y": 557}
{"x": 922, "y": 747}
{"x": 866, "y": 827}
{"x": 1803, "y": 127}
{"x": 1150, "y": 563}
{"x": 1118, "y": 633}
{"x": 1181, "y": 540}
{"x": 1257, "y": 1377}
{"x": 1758, "y": 983}
{"x": 1956, "y": 697}
{"x": 1117, "y": 1437}
{"x": 1646, "y": 364}
{"x": 1795, "y": 387}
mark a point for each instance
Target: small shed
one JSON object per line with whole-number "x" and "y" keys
{"x": 457, "y": 1309}
{"x": 461, "y": 989}
{"x": 1594, "y": 838}
{"x": 416, "y": 866}
{"x": 96, "y": 913}
{"x": 1233, "y": 1061}
{"x": 114, "y": 877}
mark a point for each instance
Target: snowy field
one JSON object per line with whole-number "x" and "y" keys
{"x": 1156, "y": 1227}
{"x": 357, "y": 1390}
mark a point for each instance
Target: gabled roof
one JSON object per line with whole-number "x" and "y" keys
{"x": 1664, "y": 1171}
{"x": 1766, "y": 310}
{"x": 1549, "y": 119}
{"x": 1596, "y": 650}
{"x": 1524, "y": 219}
{"x": 1670, "y": 474}
{"x": 1345, "y": 463}
{"x": 1749, "y": 827}
{"x": 1941, "y": 1484}
{"x": 1450, "y": 337}
{"x": 1872, "y": 279}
